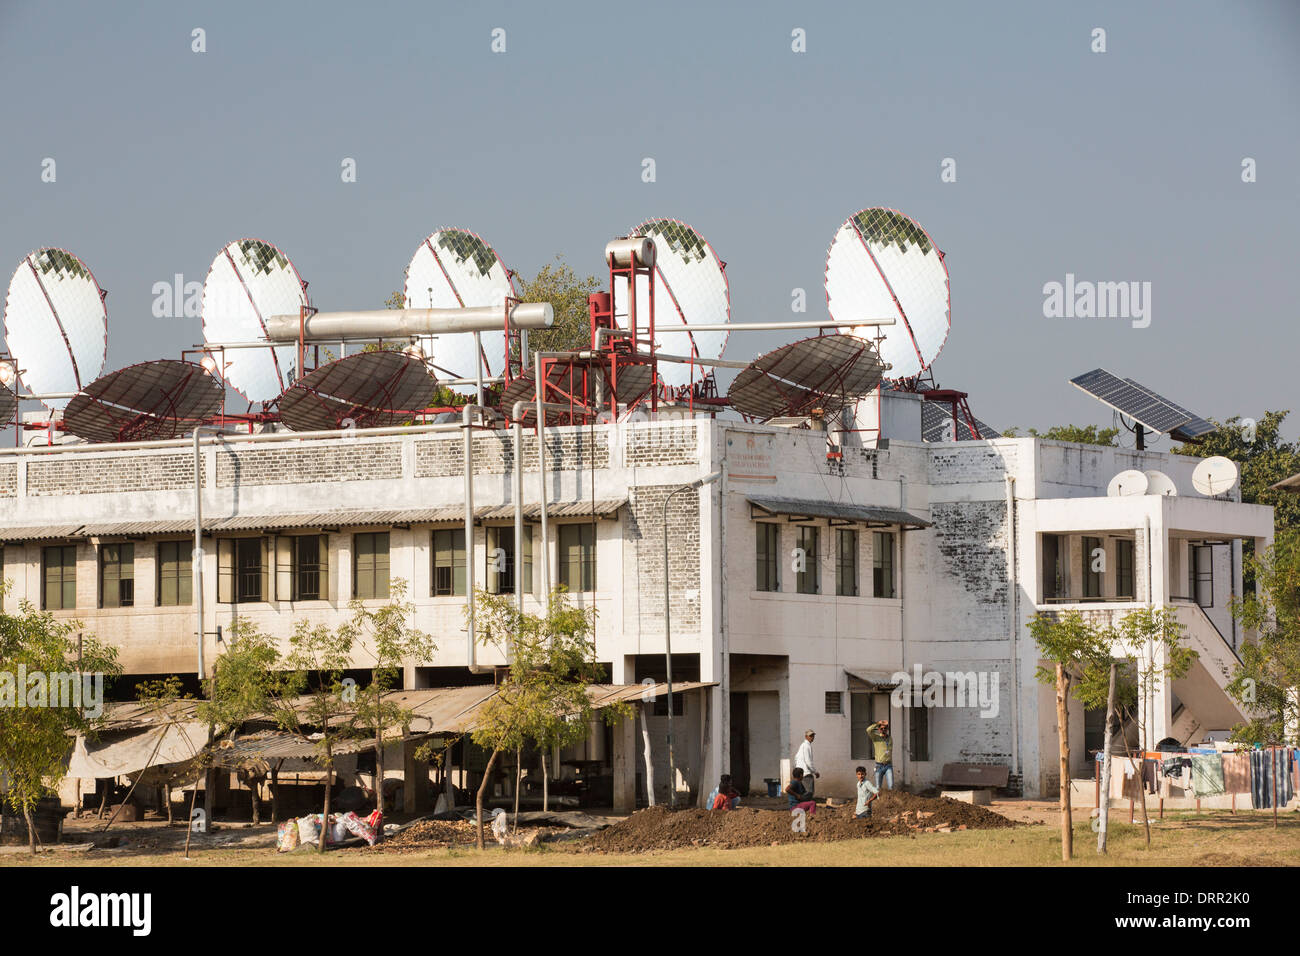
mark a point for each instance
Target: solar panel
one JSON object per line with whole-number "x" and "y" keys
{"x": 1147, "y": 408}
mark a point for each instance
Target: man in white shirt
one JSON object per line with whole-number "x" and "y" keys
{"x": 803, "y": 759}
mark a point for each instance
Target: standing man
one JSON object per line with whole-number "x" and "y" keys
{"x": 882, "y": 748}
{"x": 803, "y": 759}
{"x": 867, "y": 792}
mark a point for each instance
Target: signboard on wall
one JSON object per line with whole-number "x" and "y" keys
{"x": 751, "y": 457}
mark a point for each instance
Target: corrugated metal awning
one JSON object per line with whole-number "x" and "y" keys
{"x": 1288, "y": 484}
{"x": 877, "y": 681}
{"x": 600, "y": 508}
{"x": 40, "y": 533}
{"x": 872, "y": 515}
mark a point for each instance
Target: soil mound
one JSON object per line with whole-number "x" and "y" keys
{"x": 894, "y": 814}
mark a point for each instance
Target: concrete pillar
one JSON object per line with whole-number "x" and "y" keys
{"x": 626, "y": 754}
{"x": 415, "y": 773}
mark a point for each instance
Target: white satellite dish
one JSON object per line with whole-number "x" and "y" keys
{"x": 1215, "y": 476}
{"x": 456, "y": 269}
{"x": 882, "y": 263}
{"x": 56, "y": 324}
{"x": 250, "y": 281}
{"x": 1158, "y": 483}
{"x": 1127, "y": 483}
{"x": 690, "y": 289}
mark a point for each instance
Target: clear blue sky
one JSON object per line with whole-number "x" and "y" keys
{"x": 1117, "y": 166}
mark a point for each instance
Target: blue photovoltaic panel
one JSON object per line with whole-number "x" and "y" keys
{"x": 936, "y": 425}
{"x": 1144, "y": 406}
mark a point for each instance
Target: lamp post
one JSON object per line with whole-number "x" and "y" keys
{"x": 668, "y": 636}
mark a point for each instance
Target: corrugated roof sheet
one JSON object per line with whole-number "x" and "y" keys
{"x": 272, "y": 746}
{"x": 601, "y": 508}
{"x": 40, "y": 533}
{"x": 872, "y": 514}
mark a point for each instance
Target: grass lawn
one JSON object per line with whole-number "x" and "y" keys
{"x": 1206, "y": 839}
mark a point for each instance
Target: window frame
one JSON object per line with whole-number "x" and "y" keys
{"x": 808, "y": 581}
{"x": 1092, "y": 580}
{"x": 457, "y": 562}
{"x": 586, "y": 563}
{"x": 883, "y": 565}
{"x": 845, "y": 568}
{"x": 503, "y": 537}
{"x": 377, "y": 567}
{"x": 1125, "y": 568}
{"x": 767, "y": 560}
{"x": 65, "y": 578}
{"x": 114, "y": 557}
{"x": 184, "y": 579}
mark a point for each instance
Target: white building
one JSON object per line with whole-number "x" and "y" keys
{"x": 914, "y": 555}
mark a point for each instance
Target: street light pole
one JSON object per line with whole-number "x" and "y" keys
{"x": 668, "y": 631}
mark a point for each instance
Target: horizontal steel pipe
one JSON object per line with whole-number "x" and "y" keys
{"x": 403, "y": 323}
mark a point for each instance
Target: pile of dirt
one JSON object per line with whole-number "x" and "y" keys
{"x": 894, "y": 814}
{"x": 430, "y": 835}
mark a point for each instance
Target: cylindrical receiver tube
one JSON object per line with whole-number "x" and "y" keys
{"x": 403, "y": 323}
{"x": 623, "y": 249}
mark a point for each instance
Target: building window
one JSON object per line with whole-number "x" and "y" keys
{"x": 882, "y": 570}
{"x": 865, "y": 708}
{"x": 834, "y": 702}
{"x": 1202, "y": 574}
{"x": 302, "y": 568}
{"x": 578, "y": 557}
{"x": 501, "y": 560}
{"x": 370, "y": 565}
{"x": 116, "y": 575}
{"x": 1091, "y": 577}
{"x": 243, "y": 570}
{"x": 449, "y": 562}
{"x": 768, "y": 561}
{"x": 1053, "y": 576}
{"x": 59, "y": 567}
{"x": 918, "y": 733}
{"x": 846, "y": 563}
{"x": 1124, "y": 586}
{"x": 175, "y": 573}
{"x": 807, "y": 581}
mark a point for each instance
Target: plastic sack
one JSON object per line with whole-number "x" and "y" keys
{"x": 309, "y": 828}
{"x": 286, "y": 836}
{"x": 338, "y": 829}
{"x": 358, "y": 827}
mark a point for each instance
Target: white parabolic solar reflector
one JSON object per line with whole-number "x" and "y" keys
{"x": 690, "y": 289}
{"x": 455, "y": 269}
{"x": 56, "y": 325}
{"x": 250, "y": 281}
{"x": 882, "y": 264}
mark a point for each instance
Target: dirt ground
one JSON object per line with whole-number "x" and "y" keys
{"x": 894, "y": 814}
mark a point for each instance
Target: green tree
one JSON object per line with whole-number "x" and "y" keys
{"x": 544, "y": 696}
{"x": 1074, "y": 647}
{"x": 1264, "y": 683}
{"x": 34, "y": 738}
{"x": 559, "y": 285}
{"x": 385, "y": 635}
{"x": 1082, "y": 434}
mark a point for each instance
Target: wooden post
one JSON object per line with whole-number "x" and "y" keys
{"x": 1096, "y": 785}
{"x": 1063, "y": 735}
{"x": 1131, "y": 809}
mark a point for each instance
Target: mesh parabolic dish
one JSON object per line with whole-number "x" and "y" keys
{"x": 56, "y": 324}
{"x": 8, "y": 405}
{"x": 250, "y": 281}
{"x": 453, "y": 269}
{"x": 825, "y": 371}
{"x": 882, "y": 264}
{"x": 151, "y": 400}
{"x": 371, "y": 389}
{"x": 690, "y": 288}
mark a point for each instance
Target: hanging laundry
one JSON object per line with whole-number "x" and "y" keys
{"x": 1207, "y": 775}
{"x": 1236, "y": 773}
{"x": 1151, "y": 775}
{"x": 1267, "y": 770}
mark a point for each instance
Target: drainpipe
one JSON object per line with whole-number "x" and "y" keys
{"x": 471, "y": 649}
{"x": 902, "y": 618}
{"x": 1013, "y": 624}
{"x": 516, "y": 416}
